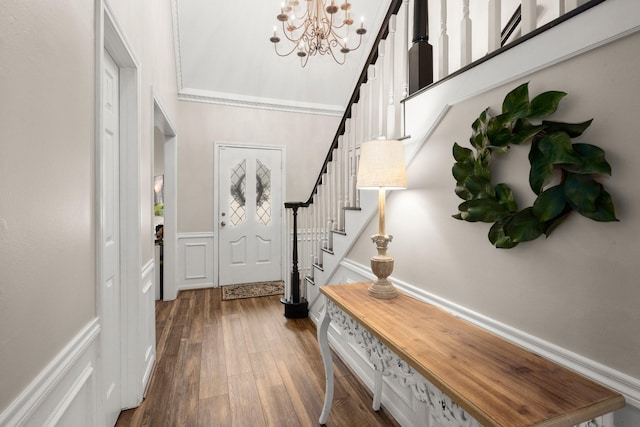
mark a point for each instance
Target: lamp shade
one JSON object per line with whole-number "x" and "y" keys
{"x": 382, "y": 165}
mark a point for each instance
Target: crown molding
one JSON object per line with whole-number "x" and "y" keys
{"x": 235, "y": 100}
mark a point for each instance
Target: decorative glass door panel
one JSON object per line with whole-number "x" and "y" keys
{"x": 249, "y": 214}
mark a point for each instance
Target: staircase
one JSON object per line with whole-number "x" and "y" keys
{"x": 381, "y": 107}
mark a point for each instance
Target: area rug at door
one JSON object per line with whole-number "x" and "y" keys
{"x": 251, "y": 290}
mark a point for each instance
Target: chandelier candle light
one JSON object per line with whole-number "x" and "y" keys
{"x": 321, "y": 28}
{"x": 382, "y": 168}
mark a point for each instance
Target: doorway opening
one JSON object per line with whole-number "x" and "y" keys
{"x": 165, "y": 212}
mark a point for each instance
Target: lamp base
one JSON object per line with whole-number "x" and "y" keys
{"x": 382, "y": 266}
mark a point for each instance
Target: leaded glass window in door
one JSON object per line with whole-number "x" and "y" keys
{"x": 263, "y": 193}
{"x": 237, "y": 205}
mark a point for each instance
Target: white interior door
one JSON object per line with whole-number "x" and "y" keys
{"x": 249, "y": 214}
{"x": 110, "y": 286}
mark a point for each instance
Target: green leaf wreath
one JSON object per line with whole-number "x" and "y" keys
{"x": 552, "y": 153}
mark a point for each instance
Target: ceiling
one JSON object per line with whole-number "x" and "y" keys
{"x": 224, "y": 55}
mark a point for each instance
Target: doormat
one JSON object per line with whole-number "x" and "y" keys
{"x": 252, "y": 290}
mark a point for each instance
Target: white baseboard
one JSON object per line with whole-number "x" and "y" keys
{"x": 65, "y": 392}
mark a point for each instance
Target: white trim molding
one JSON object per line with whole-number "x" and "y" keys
{"x": 195, "y": 261}
{"x": 65, "y": 390}
{"x": 147, "y": 339}
{"x": 162, "y": 122}
{"x": 237, "y": 100}
{"x": 110, "y": 37}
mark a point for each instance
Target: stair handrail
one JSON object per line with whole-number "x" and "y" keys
{"x": 394, "y": 7}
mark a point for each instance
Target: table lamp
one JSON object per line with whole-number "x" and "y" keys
{"x": 382, "y": 168}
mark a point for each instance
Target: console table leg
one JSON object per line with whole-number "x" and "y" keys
{"x": 323, "y": 342}
{"x": 377, "y": 390}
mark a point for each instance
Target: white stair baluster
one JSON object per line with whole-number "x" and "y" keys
{"x": 304, "y": 244}
{"x": 569, "y": 5}
{"x": 443, "y": 43}
{"x": 529, "y": 16}
{"x": 313, "y": 244}
{"x": 404, "y": 61}
{"x": 392, "y": 129}
{"x": 371, "y": 86}
{"x": 356, "y": 114}
{"x": 346, "y": 202}
{"x": 320, "y": 224}
{"x": 380, "y": 98}
{"x": 465, "y": 35}
{"x": 494, "y": 31}
{"x": 337, "y": 170}
{"x": 339, "y": 181}
{"x": 330, "y": 197}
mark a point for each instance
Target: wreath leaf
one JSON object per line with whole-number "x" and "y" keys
{"x": 505, "y": 197}
{"x": 592, "y": 160}
{"x": 552, "y": 154}
{"x": 541, "y": 170}
{"x": 523, "y": 226}
{"x": 461, "y": 154}
{"x": 550, "y": 203}
{"x": 557, "y": 148}
{"x": 516, "y": 103}
{"x": 544, "y": 104}
{"x": 485, "y": 210}
{"x": 498, "y": 237}
{"x": 574, "y": 130}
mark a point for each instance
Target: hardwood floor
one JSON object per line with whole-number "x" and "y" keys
{"x": 241, "y": 363}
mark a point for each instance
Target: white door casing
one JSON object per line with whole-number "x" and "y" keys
{"x": 162, "y": 122}
{"x": 111, "y": 41}
{"x": 110, "y": 286}
{"x": 249, "y": 213}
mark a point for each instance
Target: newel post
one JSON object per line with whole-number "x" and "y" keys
{"x": 421, "y": 52}
{"x": 295, "y": 306}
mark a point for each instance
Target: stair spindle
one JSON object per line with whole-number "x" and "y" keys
{"x": 443, "y": 43}
{"x": 529, "y": 16}
{"x": 494, "y": 30}
{"x": 465, "y": 35}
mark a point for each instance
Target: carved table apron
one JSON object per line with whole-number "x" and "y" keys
{"x": 464, "y": 375}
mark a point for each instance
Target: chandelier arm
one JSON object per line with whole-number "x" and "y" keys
{"x": 344, "y": 57}
{"x": 359, "y": 43}
{"x": 304, "y": 60}
{"x": 285, "y": 54}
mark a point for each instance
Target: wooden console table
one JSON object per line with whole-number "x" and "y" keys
{"x": 463, "y": 369}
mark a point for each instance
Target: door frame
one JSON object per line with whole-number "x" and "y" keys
{"x": 170, "y": 233}
{"x": 216, "y": 203}
{"x": 110, "y": 37}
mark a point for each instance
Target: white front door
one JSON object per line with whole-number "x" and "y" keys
{"x": 110, "y": 286}
{"x": 249, "y": 214}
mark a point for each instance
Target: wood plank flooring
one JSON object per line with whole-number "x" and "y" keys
{"x": 241, "y": 363}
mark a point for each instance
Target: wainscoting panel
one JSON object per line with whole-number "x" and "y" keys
{"x": 410, "y": 411}
{"x": 195, "y": 260}
{"x": 147, "y": 322}
{"x": 65, "y": 392}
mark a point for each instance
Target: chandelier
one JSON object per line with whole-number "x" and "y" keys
{"x": 321, "y": 28}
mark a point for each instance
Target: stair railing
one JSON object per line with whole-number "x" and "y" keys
{"x": 376, "y": 110}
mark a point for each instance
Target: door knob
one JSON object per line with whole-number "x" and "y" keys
{"x": 222, "y": 223}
